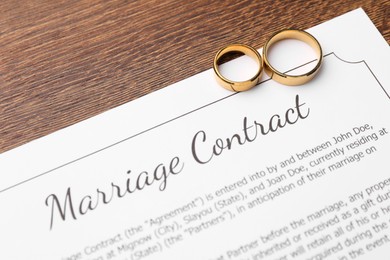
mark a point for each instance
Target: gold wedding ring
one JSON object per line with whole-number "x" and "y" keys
{"x": 238, "y": 85}
{"x": 284, "y": 78}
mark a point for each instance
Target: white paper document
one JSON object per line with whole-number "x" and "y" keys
{"x": 194, "y": 171}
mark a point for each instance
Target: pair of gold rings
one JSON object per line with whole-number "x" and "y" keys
{"x": 286, "y": 79}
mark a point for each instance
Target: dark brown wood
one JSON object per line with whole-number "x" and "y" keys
{"x": 64, "y": 61}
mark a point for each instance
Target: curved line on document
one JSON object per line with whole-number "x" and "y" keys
{"x": 346, "y": 61}
{"x": 369, "y": 69}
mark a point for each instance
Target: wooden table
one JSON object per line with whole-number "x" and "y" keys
{"x": 64, "y": 61}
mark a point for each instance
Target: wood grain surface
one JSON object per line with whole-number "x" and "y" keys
{"x": 64, "y": 61}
